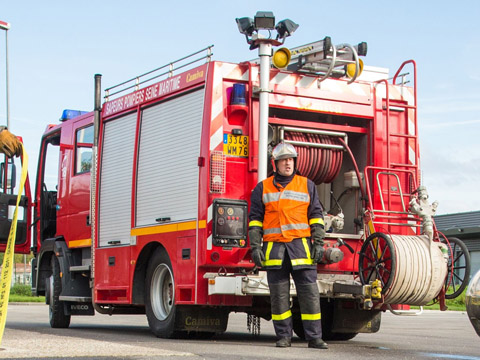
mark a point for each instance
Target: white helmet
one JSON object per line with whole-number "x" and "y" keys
{"x": 284, "y": 151}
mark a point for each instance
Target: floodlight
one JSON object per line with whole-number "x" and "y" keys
{"x": 264, "y": 20}
{"x": 285, "y": 28}
{"x": 245, "y": 26}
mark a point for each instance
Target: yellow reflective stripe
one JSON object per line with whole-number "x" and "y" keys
{"x": 287, "y": 314}
{"x": 316, "y": 221}
{"x": 317, "y": 316}
{"x": 269, "y": 250}
{"x": 255, "y": 223}
{"x": 307, "y": 248}
{"x": 272, "y": 262}
{"x": 80, "y": 243}
{"x": 296, "y": 262}
{"x": 159, "y": 229}
{"x": 267, "y": 261}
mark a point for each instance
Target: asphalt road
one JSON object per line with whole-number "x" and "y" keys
{"x": 432, "y": 335}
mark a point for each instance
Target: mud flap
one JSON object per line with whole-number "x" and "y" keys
{"x": 80, "y": 309}
{"x": 195, "y": 318}
{"x": 355, "y": 320}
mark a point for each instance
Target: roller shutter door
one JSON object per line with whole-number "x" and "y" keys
{"x": 116, "y": 181}
{"x": 167, "y": 185}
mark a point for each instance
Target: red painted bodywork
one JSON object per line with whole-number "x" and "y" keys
{"x": 368, "y": 119}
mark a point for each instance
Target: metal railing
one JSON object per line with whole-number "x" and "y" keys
{"x": 167, "y": 69}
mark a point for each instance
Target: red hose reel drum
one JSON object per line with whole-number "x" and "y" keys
{"x": 320, "y": 165}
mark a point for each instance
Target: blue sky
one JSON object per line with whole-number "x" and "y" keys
{"x": 56, "y": 47}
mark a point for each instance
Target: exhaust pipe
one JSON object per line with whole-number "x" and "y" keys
{"x": 93, "y": 172}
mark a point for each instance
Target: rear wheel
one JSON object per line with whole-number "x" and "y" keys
{"x": 56, "y": 308}
{"x": 160, "y": 295}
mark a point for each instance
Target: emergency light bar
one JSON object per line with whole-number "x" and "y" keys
{"x": 70, "y": 114}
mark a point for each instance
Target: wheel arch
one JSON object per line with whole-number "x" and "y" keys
{"x": 140, "y": 273}
{"x": 50, "y": 247}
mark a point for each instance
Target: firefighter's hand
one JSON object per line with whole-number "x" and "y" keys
{"x": 258, "y": 257}
{"x": 318, "y": 234}
{"x": 9, "y": 144}
{"x": 317, "y": 253}
{"x": 255, "y": 234}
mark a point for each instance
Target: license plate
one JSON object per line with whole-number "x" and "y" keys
{"x": 235, "y": 145}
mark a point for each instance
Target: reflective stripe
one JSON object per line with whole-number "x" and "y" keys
{"x": 295, "y": 195}
{"x": 272, "y": 231}
{"x": 300, "y": 226}
{"x": 269, "y": 197}
{"x": 268, "y": 250}
{"x": 287, "y": 314}
{"x": 275, "y": 262}
{"x": 317, "y": 316}
{"x": 268, "y": 261}
{"x": 317, "y": 221}
{"x": 255, "y": 223}
{"x": 307, "y": 248}
{"x": 296, "y": 262}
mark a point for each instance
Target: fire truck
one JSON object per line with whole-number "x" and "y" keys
{"x": 147, "y": 210}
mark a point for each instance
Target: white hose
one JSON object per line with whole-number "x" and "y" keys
{"x": 420, "y": 271}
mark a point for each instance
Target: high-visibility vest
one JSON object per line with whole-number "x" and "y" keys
{"x": 286, "y": 210}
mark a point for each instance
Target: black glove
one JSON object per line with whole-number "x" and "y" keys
{"x": 317, "y": 253}
{"x": 318, "y": 233}
{"x": 255, "y": 236}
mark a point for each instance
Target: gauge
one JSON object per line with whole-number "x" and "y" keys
{"x": 230, "y": 211}
{"x": 220, "y": 210}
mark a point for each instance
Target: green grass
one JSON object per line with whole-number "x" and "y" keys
{"x": 23, "y": 293}
{"x": 22, "y": 298}
{"x": 457, "y": 304}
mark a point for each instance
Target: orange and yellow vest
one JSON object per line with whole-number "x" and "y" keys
{"x": 286, "y": 210}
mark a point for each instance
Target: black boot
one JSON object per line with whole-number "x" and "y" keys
{"x": 284, "y": 342}
{"x": 317, "y": 344}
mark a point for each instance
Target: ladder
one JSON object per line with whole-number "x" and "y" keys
{"x": 392, "y": 209}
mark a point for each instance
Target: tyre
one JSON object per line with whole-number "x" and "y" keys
{"x": 160, "y": 295}
{"x": 56, "y": 308}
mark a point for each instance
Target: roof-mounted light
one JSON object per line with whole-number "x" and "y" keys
{"x": 245, "y": 26}
{"x": 264, "y": 20}
{"x": 70, "y": 114}
{"x": 285, "y": 28}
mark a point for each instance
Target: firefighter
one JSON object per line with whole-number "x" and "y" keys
{"x": 9, "y": 144}
{"x": 286, "y": 212}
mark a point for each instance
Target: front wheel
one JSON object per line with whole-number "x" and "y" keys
{"x": 160, "y": 295}
{"x": 56, "y": 308}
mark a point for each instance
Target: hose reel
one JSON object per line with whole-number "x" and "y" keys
{"x": 412, "y": 269}
{"x": 320, "y": 153}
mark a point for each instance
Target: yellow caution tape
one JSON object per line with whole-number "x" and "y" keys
{"x": 6, "y": 277}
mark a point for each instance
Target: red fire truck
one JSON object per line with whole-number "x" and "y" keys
{"x": 147, "y": 212}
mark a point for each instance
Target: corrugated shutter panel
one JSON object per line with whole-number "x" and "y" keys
{"x": 167, "y": 185}
{"x": 116, "y": 180}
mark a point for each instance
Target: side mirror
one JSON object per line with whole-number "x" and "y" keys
{"x": 10, "y": 175}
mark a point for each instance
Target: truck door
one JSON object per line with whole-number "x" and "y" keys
{"x": 10, "y": 170}
{"x": 73, "y": 201}
{"x": 46, "y": 188}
